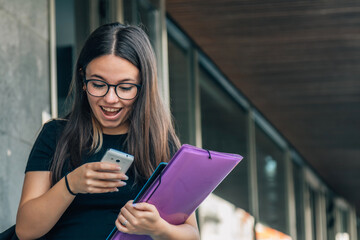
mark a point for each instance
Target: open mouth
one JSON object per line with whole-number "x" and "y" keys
{"x": 110, "y": 111}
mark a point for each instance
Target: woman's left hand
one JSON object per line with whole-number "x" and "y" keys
{"x": 140, "y": 218}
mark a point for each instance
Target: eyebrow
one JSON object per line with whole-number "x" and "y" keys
{"x": 123, "y": 80}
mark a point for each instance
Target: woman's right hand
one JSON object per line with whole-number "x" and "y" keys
{"x": 96, "y": 177}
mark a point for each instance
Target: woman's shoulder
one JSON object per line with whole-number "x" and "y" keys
{"x": 55, "y": 124}
{"x": 52, "y": 126}
{"x": 45, "y": 145}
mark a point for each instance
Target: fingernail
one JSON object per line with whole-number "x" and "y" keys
{"x": 126, "y": 177}
{"x": 124, "y": 183}
{"x": 134, "y": 204}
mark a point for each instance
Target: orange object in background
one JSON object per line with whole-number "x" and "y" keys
{"x": 263, "y": 232}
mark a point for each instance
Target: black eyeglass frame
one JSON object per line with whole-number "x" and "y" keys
{"x": 86, "y": 81}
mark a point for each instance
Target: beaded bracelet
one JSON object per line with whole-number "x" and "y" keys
{"x": 68, "y": 187}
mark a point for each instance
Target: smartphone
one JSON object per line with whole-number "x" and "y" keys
{"x": 124, "y": 160}
{"x": 152, "y": 178}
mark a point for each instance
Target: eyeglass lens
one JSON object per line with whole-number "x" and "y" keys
{"x": 123, "y": 90}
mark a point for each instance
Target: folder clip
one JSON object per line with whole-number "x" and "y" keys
{"x": 209, "y": 154}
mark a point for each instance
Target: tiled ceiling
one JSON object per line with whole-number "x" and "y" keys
{"x": 299, "y": 63}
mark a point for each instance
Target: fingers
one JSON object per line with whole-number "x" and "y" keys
{"x": 144, "y": 207}
{"x": 141, "y": 218}
{"x": 100, "y": 190}
{"x": 127, "y": 215}
{"x": 120, "y": 224}
{"x": 94, "y": 185}
{"x": 97, "y": 177}
{"x": 105, "y": 166}
{"x": 109, "y": 176}
{"x": 105, "y": 183}
{"x": 127, "y": 222}
{"x": 138, "y": 210}
{"x": 104, "y": 171}
{"x": 98, "y": 186}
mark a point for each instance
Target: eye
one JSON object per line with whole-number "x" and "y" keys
{"x": 125, "y": 87}
{"x": 97, "y": 84}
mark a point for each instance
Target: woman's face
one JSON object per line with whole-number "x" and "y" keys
{"x": 110, "y": 110}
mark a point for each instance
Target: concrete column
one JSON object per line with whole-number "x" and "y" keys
{"x": 24, "y": 93}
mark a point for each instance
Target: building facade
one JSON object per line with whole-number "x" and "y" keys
{"x": 272, "y": 191}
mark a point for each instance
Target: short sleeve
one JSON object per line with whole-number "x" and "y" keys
{"x": 43, "y": 150}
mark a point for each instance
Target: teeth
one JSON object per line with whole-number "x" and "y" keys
{"x": 111, "y": 109}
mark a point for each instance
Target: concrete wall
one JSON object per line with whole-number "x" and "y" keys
{"x": 24, "y": 93}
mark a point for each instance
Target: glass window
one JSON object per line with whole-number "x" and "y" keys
{"x": 224, "y": 128}
{"x": 330, "y": 216}
{"x": 344, "y": 226}
{"x": 299, "y": 201}
{"x": 76, "y": 19}
{"x": 74, "y": 22}
{"x": 180, "y": 91}
{"x": 145, "y": 13}
{"x": 358, "y": 226}
{"x": 313, "y": 207}
{"x": 271, "y": 182}
{"x": 65, "y": 50}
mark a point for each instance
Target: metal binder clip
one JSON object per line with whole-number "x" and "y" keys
{"x": 209, "y": 154}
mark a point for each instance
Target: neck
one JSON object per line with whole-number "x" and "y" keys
{"x": 122, "y": 129}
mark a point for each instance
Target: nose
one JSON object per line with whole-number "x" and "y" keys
{"x": 111, "y": 96}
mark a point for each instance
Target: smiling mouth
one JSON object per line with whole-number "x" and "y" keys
{"x": 110, "y": 111}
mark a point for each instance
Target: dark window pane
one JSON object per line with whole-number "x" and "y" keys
{"x": 299, "y": 202}
{"x": 180, "y": 90}
{"x": 313, "y": 205}
{"x": 65, "y": 46}
{"x": 271, "y": 182}
{"x": 344, "y": 221}
{"x": 224, "y": 128}
{"x": 330, "y": 216}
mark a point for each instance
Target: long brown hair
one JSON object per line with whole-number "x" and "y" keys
{"x": 151, "y": 133}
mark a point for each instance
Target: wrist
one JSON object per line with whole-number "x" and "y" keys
{"x": 162, "y": 230}
{"x": 68, "y": 186}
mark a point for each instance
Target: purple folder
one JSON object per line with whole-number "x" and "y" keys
{"x": 191, "y": 175}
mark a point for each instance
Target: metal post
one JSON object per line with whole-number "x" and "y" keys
{"x": 254, "y": 201}
{"x": 290, "y": 195}
{"x": 197, "y": 100}
{"x": 52, "y": 52}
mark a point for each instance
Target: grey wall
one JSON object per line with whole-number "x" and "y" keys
{"x": 24, "y": 93}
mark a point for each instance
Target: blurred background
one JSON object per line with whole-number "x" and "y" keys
{"x": 276, "y": 81}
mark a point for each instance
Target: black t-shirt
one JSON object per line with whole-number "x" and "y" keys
{"x": 89, "y": 216}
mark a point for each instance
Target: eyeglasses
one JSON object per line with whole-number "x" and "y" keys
{"x": 98, "y": 88}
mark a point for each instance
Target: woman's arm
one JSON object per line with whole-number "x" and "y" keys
{"x": 143, "y": 218}
{"x": 41, "y": 205}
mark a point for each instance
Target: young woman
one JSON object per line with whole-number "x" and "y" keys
{"x": 68, "y": 193}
